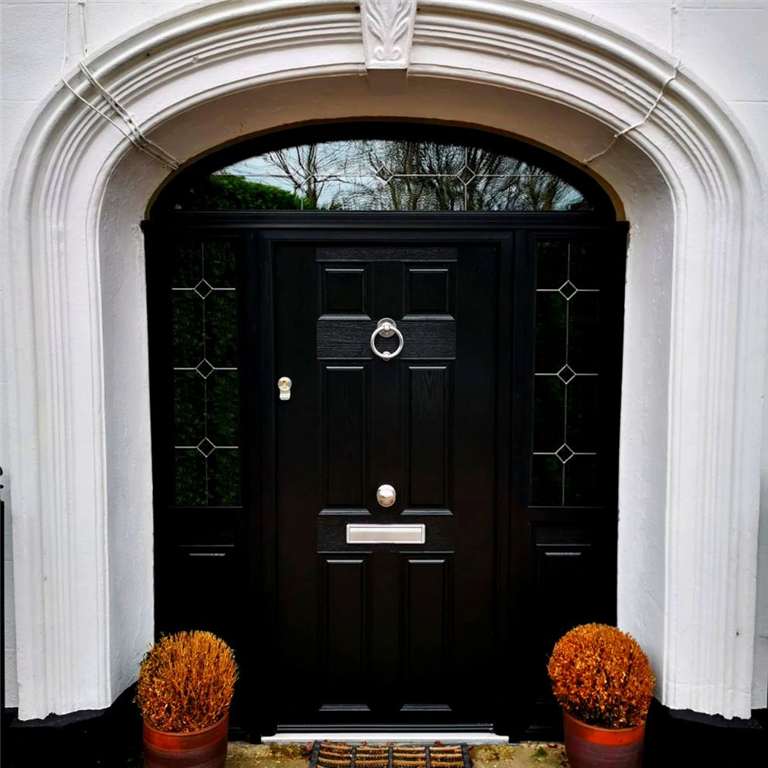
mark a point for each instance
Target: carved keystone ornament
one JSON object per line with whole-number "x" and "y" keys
{"x": 388, "y": 32}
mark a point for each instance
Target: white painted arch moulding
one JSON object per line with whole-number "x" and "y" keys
{"x": 695, "y": 335}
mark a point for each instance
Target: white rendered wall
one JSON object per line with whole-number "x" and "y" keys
{"x": 724, "y": 42}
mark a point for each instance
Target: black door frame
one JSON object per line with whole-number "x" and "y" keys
{"x": 515, "y": 589}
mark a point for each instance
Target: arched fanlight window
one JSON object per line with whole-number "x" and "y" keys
{"x": 383, "y": 167}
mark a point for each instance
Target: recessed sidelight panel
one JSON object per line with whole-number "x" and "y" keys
{"x": 345, "y": 633}
{"x": 427, "y": 635}
{"x": 567, "y": 558}
{"x": 561, "y": 573}
{"x": 346, "y": 420}
{"x": 429, "y": 407}
{"x": 201, "y": 604}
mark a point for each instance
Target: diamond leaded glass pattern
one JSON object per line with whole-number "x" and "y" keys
{"x": 383, "y": 175}
{"x": 565, "y": 416}
{"x": 206, "y": 432}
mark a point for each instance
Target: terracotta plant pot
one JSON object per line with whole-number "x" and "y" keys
{"x": 206, "y": 748}
{"x": 589, "y": 746}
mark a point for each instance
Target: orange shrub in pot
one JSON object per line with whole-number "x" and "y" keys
{"x": 186, "y": 682}
{"x": 603, "y": 681}
{"x": 185, "y": 688}
{"x": 602, "y": 676}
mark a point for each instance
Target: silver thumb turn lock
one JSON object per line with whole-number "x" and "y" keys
{"x": 284, "y": 384}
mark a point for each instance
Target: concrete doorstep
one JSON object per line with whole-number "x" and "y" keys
{"x": 526, "y": 755}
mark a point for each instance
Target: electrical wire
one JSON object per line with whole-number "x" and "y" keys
{"x": 648, "y": 114}
{"x": 134, "y": 134}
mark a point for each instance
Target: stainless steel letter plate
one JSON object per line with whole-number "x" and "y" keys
{"x": 358, "y": 533}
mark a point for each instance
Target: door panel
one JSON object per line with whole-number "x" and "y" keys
{"x": 345, "y": 642}
{"x": 429, "y": 420}
{"x": 375, "y": 631}
{"x": 350, "y": 339}
{"x": 346, "y": 403}
{"x": 427, "y": 633}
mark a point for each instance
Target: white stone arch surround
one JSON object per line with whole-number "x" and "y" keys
{"x": 695, "y": 332}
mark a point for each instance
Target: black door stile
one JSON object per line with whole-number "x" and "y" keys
{"x": 505, "y": 528}
{"x": 256, "y": 594}
{"x": 379, "y": 592}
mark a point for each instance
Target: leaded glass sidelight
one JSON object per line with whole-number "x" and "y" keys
{"x": 423, "y": 168}
{"x": 564, "y": 468}
{"x": 205, "y": 388}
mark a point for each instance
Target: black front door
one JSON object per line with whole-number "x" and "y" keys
{"x": 496, "y": 425}
{"x": 391, "y": 632}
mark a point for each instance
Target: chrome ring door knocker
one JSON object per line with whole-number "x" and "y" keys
{"x": 386, "y": 327}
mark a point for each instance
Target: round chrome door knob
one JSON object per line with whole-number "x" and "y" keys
{"x": 386, "y": 495}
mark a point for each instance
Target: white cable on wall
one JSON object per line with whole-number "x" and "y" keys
{"x": 134, "y": 134}
{"x": 648, "y": 114}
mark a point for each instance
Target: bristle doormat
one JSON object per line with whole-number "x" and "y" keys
{"x": 336, "y": 754}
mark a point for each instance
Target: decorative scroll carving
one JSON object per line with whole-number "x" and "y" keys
{"x": 388, "y": 32}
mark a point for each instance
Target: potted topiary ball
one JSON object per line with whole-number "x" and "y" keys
{"x": 186, "y": 684}
{"x": 603, "y": 681}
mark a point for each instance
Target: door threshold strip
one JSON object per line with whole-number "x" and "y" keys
{"x": 410, "y": 737}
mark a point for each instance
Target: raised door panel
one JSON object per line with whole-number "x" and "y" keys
{"x": 346, "y": 435}
{"x": 429, "y": 420}
{"x": 344, "y": 674}
{"x": 427, "y": 638}
{"x": 345, "y": 290}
